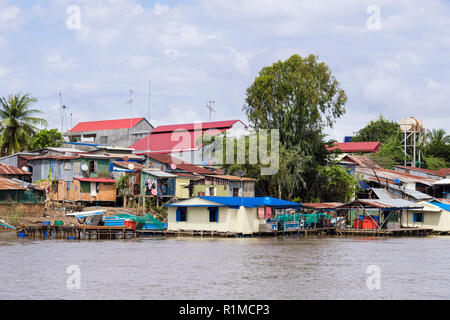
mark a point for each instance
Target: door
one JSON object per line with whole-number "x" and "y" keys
{"x": 93, "y": 189}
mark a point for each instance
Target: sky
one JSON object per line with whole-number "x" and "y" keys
{"x": 390, "y": 57}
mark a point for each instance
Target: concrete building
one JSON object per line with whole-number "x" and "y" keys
{"x": 223, "y": 214}
{"x": 116, "y": 133}
{"x": 434, "y": 215}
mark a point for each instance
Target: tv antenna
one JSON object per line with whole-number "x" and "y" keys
{"x": 63, "y": 107}
{"x": 130, "y": 102}
{"x": 211, "y": 109}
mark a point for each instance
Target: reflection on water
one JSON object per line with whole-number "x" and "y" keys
{"x": 242, "y": 268}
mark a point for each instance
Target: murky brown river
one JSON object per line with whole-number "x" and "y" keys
{"x": 244, "y": 268}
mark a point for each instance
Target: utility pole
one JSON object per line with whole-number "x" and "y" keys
{"x": 208, "y": 106}
{"x": 130, "y": 102}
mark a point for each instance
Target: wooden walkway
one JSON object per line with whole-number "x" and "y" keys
{"x": 107, "y": 232}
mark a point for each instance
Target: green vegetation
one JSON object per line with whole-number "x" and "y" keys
{"x": 299, "y": 97}
{"x": 381, "y": 130}
{"x": 47, "y": 138}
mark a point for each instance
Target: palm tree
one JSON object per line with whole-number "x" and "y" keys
{"x": 18, "y": 122}
{"x": 438, "y": 136}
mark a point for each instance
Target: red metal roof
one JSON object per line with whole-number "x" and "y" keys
{"x": 356, "y": 146}
{"x": 104, "y": 180}
{"x": 165, "y": 139}
{"x": 444, "y": 171}
{"x": 10, "y": 170}
{"x": 197, "y": 126}
{"x": 411, "y": 169}
{"x": 106, "y": 125}
{"x": 8, "y": 184}
{"x": 181, "y": 165}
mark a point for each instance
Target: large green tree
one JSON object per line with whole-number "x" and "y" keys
{"x": 299, "y": 97}
{"x": 18, "y": 122}
{"x": 381, "y": 130}
{"x": 47, "y": 138}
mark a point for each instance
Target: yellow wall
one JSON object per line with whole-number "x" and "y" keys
{"x": 243, "y": 220}
{"x": 436, "y": 220}
{"x": 180, "y": 191}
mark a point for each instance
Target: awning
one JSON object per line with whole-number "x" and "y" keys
{"x": 101, "y": 180}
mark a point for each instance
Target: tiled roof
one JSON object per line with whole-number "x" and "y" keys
{"x": 372, "y": 146}
{"x": 362, "y": 161}
{"x": 106, "y": 125}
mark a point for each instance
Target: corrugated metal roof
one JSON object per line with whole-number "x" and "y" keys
{"x": 355, "y": 146}
{"x": 322, "y": 205}
{"x": 10, "y": 170}
{"x": 104, "y": 180}
{"x": 392, "y": 175}
{"x": 391, "y": 203}
{"x": 411, "y": 192}
{"x": 362, "y": 161}
{"x": 106, "y": 124}
{"x": 412, "y": 169}
{"x": 179, "y": 164}
{"x": 382, "y": 193}
{"x": 9, "y": 184}
{"x": 230, "y": 178}
{"x": 165, "y": 139}
{"x": 227, "y": 124}
{"x": 159, "y": 173}
{"x": 442, "y": 182}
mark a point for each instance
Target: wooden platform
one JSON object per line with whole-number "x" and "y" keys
{"x": 385, "y": 232}
{"x": 78, "y": 232}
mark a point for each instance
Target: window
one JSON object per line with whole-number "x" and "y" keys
{"x": 76, "y": 167}
{"x": 93, "y": 166}
{"x": 418, "y": 217}
{"x": 182, "y": 214}
{"x": 67, "y": 165}
{"x": 235, "y": 192}
{"x": 68, "y": 185}
{"x": 104, "y": 139}
{"x": 213, "y": 214}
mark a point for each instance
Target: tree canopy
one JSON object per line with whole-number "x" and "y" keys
{"x": 47, "y": 138}
{"x": 299, "y": 97}
{"x": 381, "y": 130}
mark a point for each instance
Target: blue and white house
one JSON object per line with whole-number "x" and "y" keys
{"x": 224, "y": 214}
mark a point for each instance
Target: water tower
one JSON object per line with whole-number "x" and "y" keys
{"x": 413, "y": 136}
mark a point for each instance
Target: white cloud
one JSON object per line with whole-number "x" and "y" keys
{"x": 160, "y": 9}
{"x": 9, "y": 13}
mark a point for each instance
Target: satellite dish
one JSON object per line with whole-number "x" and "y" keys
{"x": 84, "y": 167}
{"x": 173, "y": 166}
{"x": 131, "y": 166}
{"x": 25, "y": 169}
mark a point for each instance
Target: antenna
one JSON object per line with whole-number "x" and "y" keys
{"x": 130, "y": 102}
{"x": 149, "y": 96}
{"x": 208, "y": 106}
{"x": 62, "y": 111}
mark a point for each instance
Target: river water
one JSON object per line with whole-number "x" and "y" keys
{"x": 237, "y": 268}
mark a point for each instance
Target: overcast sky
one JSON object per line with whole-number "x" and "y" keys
{"x": 199, "y": 50}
